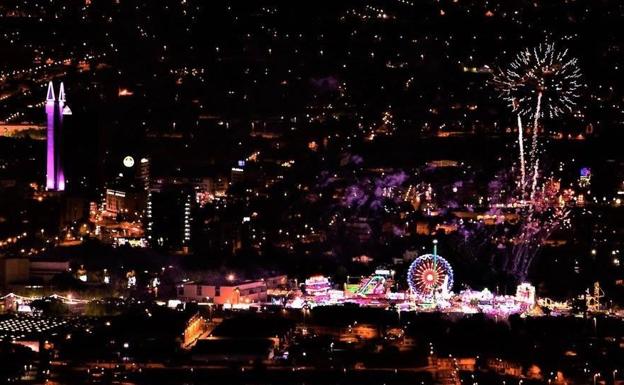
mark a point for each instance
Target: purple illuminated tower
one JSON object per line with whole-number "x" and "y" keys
{"x": 55, "y": 110}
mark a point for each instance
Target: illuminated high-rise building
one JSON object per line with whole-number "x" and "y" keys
{"x": 169, "y": 217}
{"x": 144, "y": 173}
{"x": 56, "y": 109}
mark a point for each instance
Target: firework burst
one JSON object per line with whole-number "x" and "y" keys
{"x": 540, "y": 82}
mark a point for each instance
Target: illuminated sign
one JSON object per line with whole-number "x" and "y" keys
{"x": 128, "y": 161}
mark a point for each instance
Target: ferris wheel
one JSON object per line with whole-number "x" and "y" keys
{"x": 428, "y": 274}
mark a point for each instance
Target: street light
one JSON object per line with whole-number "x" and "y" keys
{"x": 614, "y": 373}
{"x": 596, "y": 375}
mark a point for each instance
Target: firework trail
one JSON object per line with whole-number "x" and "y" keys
{"x": 534, "y": 146}
{"x": 522, "y": 160}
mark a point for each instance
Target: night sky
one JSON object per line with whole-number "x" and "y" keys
{"x": 311, "y": 192}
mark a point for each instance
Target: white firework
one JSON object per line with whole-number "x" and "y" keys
{"x": 540, "y": 82}
{"x": 543, "y": 70}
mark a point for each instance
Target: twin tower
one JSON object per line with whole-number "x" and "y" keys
{"x": 56, "y": 109}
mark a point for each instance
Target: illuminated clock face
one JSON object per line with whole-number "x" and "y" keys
{"x": 128, "y": 161}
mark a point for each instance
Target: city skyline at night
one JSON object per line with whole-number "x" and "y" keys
{"x": 311, "y": 192}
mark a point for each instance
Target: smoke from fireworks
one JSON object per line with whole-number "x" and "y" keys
{"x": 549, "y": 210}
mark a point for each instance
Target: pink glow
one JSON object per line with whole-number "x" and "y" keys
{"x": 50, "y": 169}
{"x": 55, "y": 176}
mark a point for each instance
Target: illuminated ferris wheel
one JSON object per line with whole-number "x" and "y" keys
{"x": 430, "y": 273}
